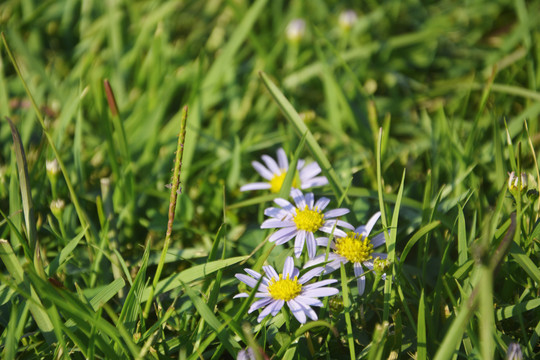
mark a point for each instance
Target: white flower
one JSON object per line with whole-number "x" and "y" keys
{"x": 275, "y": 173}
{"x": 277, "y": 289}
{"x": 303, "y": 221}
{"x": 357, "y": 248}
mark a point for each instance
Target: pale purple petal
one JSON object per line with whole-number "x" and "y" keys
{"x": 255, "y": 186}
{"x": 315, "y": 261}
{"x": 310, "y": 275}
{"x": 361, "y": 279}
{"x": 276, "y": 213}
{"x": 295, "y": 273}
{"x": 315, "y": 182}
{"x": 248, "y": 280}
{"x": 276, "y": 223}
{"x": 321, "y": 292}
{"x": 309, "y": 301}
{"x": 271, "y": 164}
{"x": 299, "y": 242}
{"x": 311, "y": 245}
{"x": 330, "y": 228}
{"x": 322, "y": 241}
{"x": 366, "y": 229}
{"x": 335, "y": 213}
{"x": 319, "y": 284}
{"x": 285, "y": 205}
{"x": 381, "y": 256}
{"x": 270, "y": 272}
{"x": 272, "y": 306}
{"x": 276, "y": 306}
{"x": 282, "y": 159}
{"x": 309, "y": 312}
{"x": 298, "y": 198}
{"x": 310, "y": 170}
{"x": 253, "y": 273}
{"x": 241, "y": 295}
{"x": 322, "y": 203}
{"x": 297, "y": 310}
{"x": 288, "y": 267}
{"x": 283, "y": 235}
{"x": 259, "y": 304}
{"x": 368, "y": 264}
{"x": 262, "y": 170}
{"x": 345, "y": 224}
{"x": 378, "y": 240}
{"x": 309, "y": 200}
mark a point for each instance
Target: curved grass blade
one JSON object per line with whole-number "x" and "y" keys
{"x": 301, "y": 129}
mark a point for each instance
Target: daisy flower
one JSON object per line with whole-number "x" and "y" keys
{"x": 277, "y": 289}
{"x": 275, "y": 172}
{"x": 357, "y": 248}
{"x": 302, "y": 221}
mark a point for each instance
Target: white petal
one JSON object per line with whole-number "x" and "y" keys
{"x": 300, "y": 164}
{"x": 282, "y": 159}
{"x": 299, "y": 243}
{"x": 255, "y": 186}
{"x": 297, "y": 310}
{"x": 271, "y": 164}
{"x": 322, "y": 203}
{"x": 288, "y": 267}
{"x": 276, "y": 223}
{"x": 310, "y": 275}
{"x": 283, "y": 235}
{"x": 262, "y": 170}
{"x": 335, "y": 213}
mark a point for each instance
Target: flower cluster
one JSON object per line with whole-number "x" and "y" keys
{"x": 302, "y": 220}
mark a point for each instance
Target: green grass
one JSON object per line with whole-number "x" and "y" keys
{"x": 420, "y": 110}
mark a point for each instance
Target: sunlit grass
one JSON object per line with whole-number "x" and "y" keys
{"x": 420, "y": 111}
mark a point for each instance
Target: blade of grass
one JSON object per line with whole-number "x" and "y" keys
{"x": 301, "y": 129}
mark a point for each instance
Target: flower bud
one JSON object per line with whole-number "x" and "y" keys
{"x": 296, "y": 30}
{"x": 52, "y": 167}
{"x": 347, "y": 19}
{"x": 57, "y": 207}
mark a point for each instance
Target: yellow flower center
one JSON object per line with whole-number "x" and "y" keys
{"x": 354, "y": 247}
{"x": 284, "y": 289}
{"x": 308, "y": 220}
{"x": 277, "y": 181}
